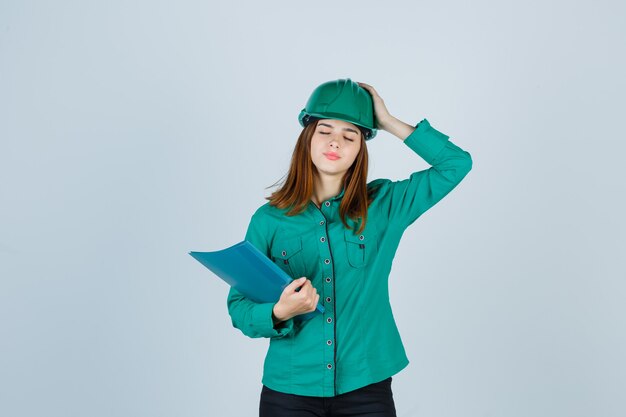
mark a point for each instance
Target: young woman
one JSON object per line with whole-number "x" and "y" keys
{"x": 336, "y": 235}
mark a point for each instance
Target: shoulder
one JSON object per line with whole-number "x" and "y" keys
{"x": 261, "y": 210}
{"x": 377, "y": 183}
{"x": 267, "y": 220}
{"x": 267, "y": 210}
{"x": 267, "y": 215}
{"x": 378, "y": 187}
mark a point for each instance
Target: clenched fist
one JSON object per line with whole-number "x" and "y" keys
{"x": 293, "y": 302}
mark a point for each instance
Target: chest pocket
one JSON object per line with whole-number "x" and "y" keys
{"x": 287, "y": 253}
{"x": 361, "y": 248}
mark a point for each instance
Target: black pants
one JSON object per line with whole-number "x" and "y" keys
{"x": 374, "y": 400}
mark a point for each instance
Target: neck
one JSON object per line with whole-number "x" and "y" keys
{"x": 325, "y": 187}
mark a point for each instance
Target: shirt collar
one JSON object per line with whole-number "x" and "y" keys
{"x": 337, "y": 197}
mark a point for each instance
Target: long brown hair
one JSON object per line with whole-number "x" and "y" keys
{"x": 296, "y": 191}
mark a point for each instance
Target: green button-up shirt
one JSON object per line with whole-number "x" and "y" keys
{"x": 355, "y": 342}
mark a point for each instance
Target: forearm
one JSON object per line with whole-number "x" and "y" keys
{"x": 397, "y": 127}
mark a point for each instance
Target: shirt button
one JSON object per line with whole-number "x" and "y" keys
{"x": 284, "y": 253}
{"x": 323, "y": 239}
{"x": 329, "y": 320}
{"x": 361, "y": 237}
{"x": 329, "y": 366}
{"x": 328, "y": 299}
{"x": 326, "y": 261}
{"x": 327, "y": 279}
{"x": 327, "y": 204}
{"x": 329, "y": 342}
{"x": 322, "y": 223}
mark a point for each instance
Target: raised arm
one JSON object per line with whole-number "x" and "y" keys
{"x": 404, "y": 201}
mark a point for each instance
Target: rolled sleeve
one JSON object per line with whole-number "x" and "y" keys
{"x": 262, "y": 323}
{"x": 255, "y": 319}
{"x": 427, "y": 141}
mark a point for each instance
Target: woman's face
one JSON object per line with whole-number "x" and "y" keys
{"x": 334, "y": 146}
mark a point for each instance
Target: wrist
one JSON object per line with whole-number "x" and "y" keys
{"x": 384, "y": 124}
{"x": 277, "y": 313}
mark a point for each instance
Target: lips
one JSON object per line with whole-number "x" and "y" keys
{"x": 332, "y": 156}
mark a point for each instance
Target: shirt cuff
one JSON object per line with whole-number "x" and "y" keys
{"x": 426, "y": 141}
{"x": 263, "y": 324}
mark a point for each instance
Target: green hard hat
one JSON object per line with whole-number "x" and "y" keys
{"x": 341, "y": 99}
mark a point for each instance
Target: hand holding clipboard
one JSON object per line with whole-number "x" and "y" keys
{"x": 250, "y": 272}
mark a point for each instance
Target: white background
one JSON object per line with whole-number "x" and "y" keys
{"x": 132, "y": 132}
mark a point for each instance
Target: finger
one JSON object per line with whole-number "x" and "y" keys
{"x": 370, "y": 90}
{"x": 298, "y": 282}
{"x": 314, "y": 303}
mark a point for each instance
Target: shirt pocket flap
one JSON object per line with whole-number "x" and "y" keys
{"x": 286, "y": 248}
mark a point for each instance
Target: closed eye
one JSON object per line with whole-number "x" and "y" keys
{"x": 324, "y": 133}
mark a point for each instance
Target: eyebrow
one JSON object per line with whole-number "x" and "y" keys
{"x": 345, "y": 128}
